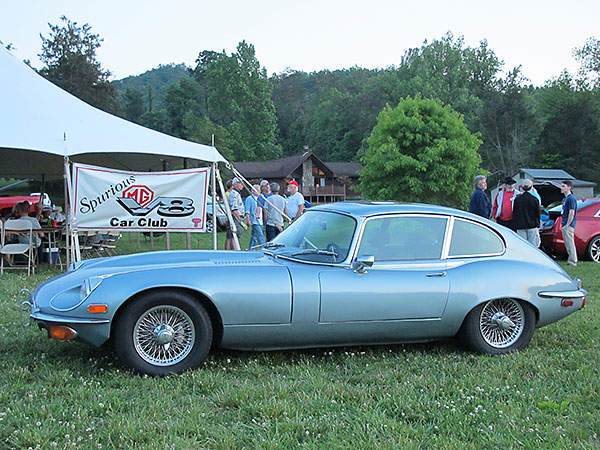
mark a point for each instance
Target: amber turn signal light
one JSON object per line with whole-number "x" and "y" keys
{"x": 61, "y": 332}
{"x": 97, "y": 308}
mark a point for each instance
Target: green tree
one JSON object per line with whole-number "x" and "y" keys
{"x": 133, "y": 105}
{"x": 420, "y": 151}
{"x": 238, "y": 98}
{"x": 451, "y": 72}
{"x": 292, "y": 96}
{"x": 202, "y": 130}
{"x": 570, "y": 135}
{"x": 588, "y": 57}
{"x": 69, "y": 55}
{"x": 181, "y": 98}
{"x": 508, "y": 125}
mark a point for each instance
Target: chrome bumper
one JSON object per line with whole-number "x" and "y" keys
{"x": 41, "y": 317}
{"x": 26, "y": 307}
{"x": 29, "y": 308}
{"x": 564, "y": 294}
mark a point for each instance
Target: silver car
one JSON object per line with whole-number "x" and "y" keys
{"x": 342, "y": 274}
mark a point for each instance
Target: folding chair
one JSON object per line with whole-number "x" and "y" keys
{"x": 86, "y": 243}
{"x": 106, "y": 244}
{"x": 25, "y": 247}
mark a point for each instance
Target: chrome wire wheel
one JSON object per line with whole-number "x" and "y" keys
{"x": 501, "y": 322}
{"x": 164, "y": 335}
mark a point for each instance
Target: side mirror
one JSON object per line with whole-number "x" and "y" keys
{"x": 362, "y": 262}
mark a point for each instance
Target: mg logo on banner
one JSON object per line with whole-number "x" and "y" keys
{"x": 107, "y": 199}
{"x": 141, "y": 194}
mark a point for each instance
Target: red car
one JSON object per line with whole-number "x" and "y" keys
{"x": 587, "y": 230}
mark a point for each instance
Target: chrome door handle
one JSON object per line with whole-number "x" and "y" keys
{"x": 437, "y": 274}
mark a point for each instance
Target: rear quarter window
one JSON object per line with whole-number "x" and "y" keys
{"x": 472, "y": 239}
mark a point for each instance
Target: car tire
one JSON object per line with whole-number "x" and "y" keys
{"x": 593, "y": 250}
{"x": 209, "y": 226}
{"x": 498, "y": 326}
{"x": 163, "y": 332}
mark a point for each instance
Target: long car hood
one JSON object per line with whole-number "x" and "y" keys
{"x": 172, "y": 259}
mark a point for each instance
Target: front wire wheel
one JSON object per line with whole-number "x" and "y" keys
{"x": 498, "y": 326}
{"x": 163, "y": 332}
{"x": 164, "y": 335}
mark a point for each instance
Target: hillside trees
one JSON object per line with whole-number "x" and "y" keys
{"x": 508, "y": 125}
{"x": 238, "y": 98}
{"x": 133, "y": 105}
{"x": 334, "y": 112}
{"x": 570, "y": 134}
{"x": 589, "y": 58}
{"x": 69, "y": 55}
{"x": 420, "y": 151}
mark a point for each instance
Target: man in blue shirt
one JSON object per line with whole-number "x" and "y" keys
{"x": 480, "y": 204}
{"x": 254, "y": 218}
{"x": 569, "y": 219}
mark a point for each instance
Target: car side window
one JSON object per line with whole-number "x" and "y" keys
{"x": 472, "y": 239}
{"x": 403, "y": 238}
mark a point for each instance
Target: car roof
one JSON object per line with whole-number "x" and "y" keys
{"x": 583, "y": 203}
{"x": 370, "y": 208}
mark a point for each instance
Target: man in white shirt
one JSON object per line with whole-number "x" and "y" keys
{"x": 295, "y": 202}
{"x": 238, "y": 212}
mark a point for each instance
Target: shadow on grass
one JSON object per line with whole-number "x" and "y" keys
{"x": 82, "y": 359}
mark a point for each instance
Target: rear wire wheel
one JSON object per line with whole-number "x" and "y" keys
{"x": 498, "y": 326}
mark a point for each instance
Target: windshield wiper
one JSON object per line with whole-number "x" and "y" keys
{"x": 316, "y": 251}
{"x": 273, "y": 245}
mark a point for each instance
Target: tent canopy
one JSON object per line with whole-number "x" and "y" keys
{"x": 37, "y": 116}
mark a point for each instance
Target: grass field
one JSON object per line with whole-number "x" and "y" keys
{"x": 71, "y": 395}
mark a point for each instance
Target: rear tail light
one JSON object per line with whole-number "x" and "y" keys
{"x": 557, "y": 227}
{"x": 566, "y": 302}
{"x": 583, "y": 303}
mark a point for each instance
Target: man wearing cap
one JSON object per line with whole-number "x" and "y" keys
{"x": 503, "y": 204}
{"x": 265, "y": 192}
{"x": 295, "y": 202}
{"x": 275, "y": 207}
{"x": 526, "y": 214}
{"x": 237, "y": 210}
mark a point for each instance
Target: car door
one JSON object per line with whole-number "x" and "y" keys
{"x": 407, "y": 280}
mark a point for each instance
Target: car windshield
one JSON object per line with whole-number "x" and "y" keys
{"x": 318, "y": 236}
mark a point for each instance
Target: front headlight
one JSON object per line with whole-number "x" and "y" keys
{"x": 88, "y": 286}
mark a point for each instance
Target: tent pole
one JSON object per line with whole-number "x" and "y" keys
{"x": 232, "y": 225}
{"x": 43, "y": 190}
{"x": 67, "y": 213}
{"x": 75, "y": 252}
{"x": 213, "y": 177}
{"x": 236, "y": 173}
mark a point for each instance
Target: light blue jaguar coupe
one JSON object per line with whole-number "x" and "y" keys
{"x": 342, "y": 274}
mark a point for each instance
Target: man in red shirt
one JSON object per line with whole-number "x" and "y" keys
{"x": 503, "y": 204}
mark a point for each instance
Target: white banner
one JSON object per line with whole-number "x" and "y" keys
{"x": 109, "y": 199}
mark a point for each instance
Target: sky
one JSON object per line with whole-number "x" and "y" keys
{"x": 310, "y": 35}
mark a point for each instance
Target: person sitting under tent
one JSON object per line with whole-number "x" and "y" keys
{"x": 21, "y": 212}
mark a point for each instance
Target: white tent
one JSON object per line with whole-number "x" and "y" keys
{"x": 43, "y": 128}
{"x": 39, "y": 121}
